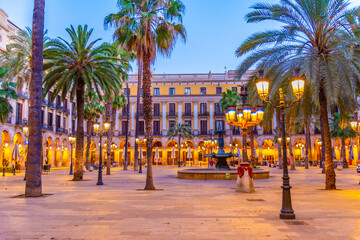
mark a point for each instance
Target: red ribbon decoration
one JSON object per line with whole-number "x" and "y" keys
{"x": 243, "y": 168}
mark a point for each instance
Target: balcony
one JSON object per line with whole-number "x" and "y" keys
{"x": 50, "y": 128}
{"x": 172, "y": 114}
{"x": 21, "y": 122}
{"x": 236, "y": 133}
{"x": 157, "y": 134}
{"x": 66, "y": 110}
{"x": 203, "y": 133}
{"x": 50, "y": 104}
{"x": 125, "y": 114}
{"x": 203, "y": 114}
{"x": 8, "y": 120}
{"x": 141, "y": 133}
{"x": 123, "y": 134}
{"x": 59, "y": 107}
{"x": 44, "y": 127}
{"x": 156, "y": 114}
{"x": 43, "y": 102}
{"x": 219, "y": 114}
{"x": 188, "y": 114}
{"x": 22, "y": 95}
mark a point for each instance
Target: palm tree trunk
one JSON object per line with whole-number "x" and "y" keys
{"x": 147, "y": 109}
{"x": 33, "y": 187}
{"x": 343, "y": 150}
{"x": 113, "y": 122}
{"x": 108, "y": 107}
{"x": 79, "y": 148}
{"x": 127, "y": 126}
{"x": 330, "y": 178}
{"x": 137, "y": 113}
{"x": 252, "y": 145}
{"x": 88, "y": 143}
{"x": 278, "y": 132}
{"x": 322, "y": 160}
{"x": 307, "y": 142}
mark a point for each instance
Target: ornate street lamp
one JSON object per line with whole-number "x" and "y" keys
{"x": 102, "y": 132}
{"x": 72, "y": 141}
{"x": 244, "y": 117}
{"x": 297, "y": 83}
{"x": 140, "y": 142}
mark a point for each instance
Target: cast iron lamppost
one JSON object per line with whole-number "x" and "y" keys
{"x": 297, "y": 83}
{"x": 140, "y": 142}
{"x": 244, "y": 117}
{"x": 102, "y": 132}
{"x": 72, "y": 141}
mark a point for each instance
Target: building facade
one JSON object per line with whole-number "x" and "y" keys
{"x": 189, "y": 98}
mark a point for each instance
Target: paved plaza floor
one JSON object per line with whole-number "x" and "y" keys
{"x": 180, "y": 209}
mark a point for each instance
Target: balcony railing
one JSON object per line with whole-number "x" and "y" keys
{"x": 50, "y": 128}
{"x": 43, "y": 102}
{"x": 50, "y": 104}
{"x": 61, "y": 130}
{"x": 187, "y": 114}
{"x": 156, "y": 114}
{"x": 157, "y": 134}
{"x": 124, "y": 114}
{"x": 172, "y": 114}
{"x": 122, "y": 134}
{"x": 21, "y": 122}
{"x": 141, "y": 133}
{"x": 219, "y": 114}
{"x": 202, "y": 114}
{"x": 59, "y": 107}
{"x": 22, "y": 95}
{"x": 203, "y": 133}
{"x": 66, "y": 110}
{"x": 44, "y": 127}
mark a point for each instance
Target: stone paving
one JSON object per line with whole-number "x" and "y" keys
{"x": 180, "y": 209}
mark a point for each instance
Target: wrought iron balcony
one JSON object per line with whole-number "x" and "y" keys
{"x": 172, "y": 114}
{"x": 203, "y": 114}
{"x": 188, "y": 114}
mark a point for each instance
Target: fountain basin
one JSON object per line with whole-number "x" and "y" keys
{"x": 215, "y": 174}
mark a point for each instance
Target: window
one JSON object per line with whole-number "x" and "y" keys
{"x": 73, "y": 126}
{"x": 50, "y": 119}
{"x": 188, "y": 122}
{"x": 172, "y": 109}
{"x": 141, "y": 109}
{"x": 126, "y": 91}
{"x": 203, "y": 108}
{"x": 171, "y": 123}
{"x": 187, "y": 91}
{"x": 156, "y": 109}
{"x": 156, "y": 127}
{"x": 203, "y": 91}
{"x": 65, "y": 104}
{"x": 57, "y": 121}
{"x": 125, "y": 109}
{"x": 218, "y": 90}
{"x": 58, "y": 101}
{"x": 171, "y": 91}
{"x": 217, "y": 107}
{"x": 234, "y": 89}
{"x": 203, "y": 126}
{"x": 123, "y": 127}
{"x": 42, "y": 117}
{"x": 49, "y": 97}
{"x": 156, "y": 91}
{"x": 141, "y": 127}
{"x": 18, "y": 113}
{"x": 187, "y": 109}
{"x": 64, "y": 122}
{"x": 219, "y": 125}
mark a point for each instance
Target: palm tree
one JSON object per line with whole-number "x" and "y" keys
{"x": 340, "y": 128}
{"x": 93, "y": 108}
{"x": 18, "y": 56}
{"x": 72, "y": 67}
{"x": 182, "y": 131}
{"x": 7, "y": 92}
{"x": 313, "y": 37}
{"x": 33, "y": 186}
{"x": 229, "y": 98}
{"x": 148, "y": 26}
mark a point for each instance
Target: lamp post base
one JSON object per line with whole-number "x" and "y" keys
{"x": 99, "y": 183}
{"x": 287, "y": 215}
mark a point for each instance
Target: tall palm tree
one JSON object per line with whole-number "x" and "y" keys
{"x": 7, "y": 92}
{"x": 313, "y": 38}
{"x": 340, "y": 128}
{"x": 72, "y": 67}
{"x": 181, "y": 131}
{"x": 33, "y": 186}
{"x": 148, "y": 26}
{"x": 93, "y": 108}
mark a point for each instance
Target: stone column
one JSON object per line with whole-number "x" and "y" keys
{"x": 61, "y": 156}
{"x": 211, "y": 116}
{"x": 54, "y": 155}
{"x": 180, "y": 111}
{"x": 54, "y": 118}
{"x": 164, "y": 119}
{"x": 61, "y": 120}
{"x": 46, "y": 115}
{"x": 196, "y": 129}
{"x": 25, "y": 110}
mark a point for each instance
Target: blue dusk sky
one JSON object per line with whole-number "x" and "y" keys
{"x": 214, "y": 29}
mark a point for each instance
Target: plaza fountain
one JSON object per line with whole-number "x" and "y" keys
{"x": 222, "y": 171}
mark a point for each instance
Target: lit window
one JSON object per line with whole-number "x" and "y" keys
{"x": 171, "y": 91}
{"x": 187, "y": 91}
{"x": 156, "y": 91}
